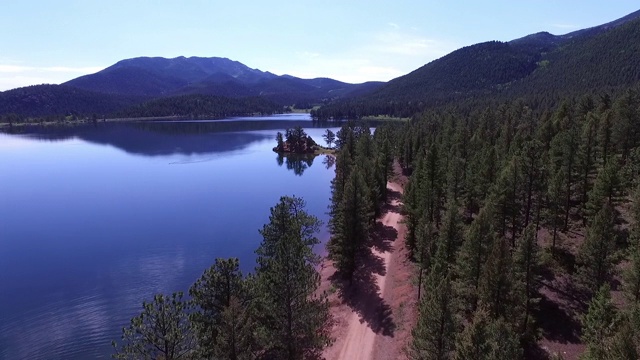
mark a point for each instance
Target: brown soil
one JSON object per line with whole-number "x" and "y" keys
{"x": 374, "y": 314}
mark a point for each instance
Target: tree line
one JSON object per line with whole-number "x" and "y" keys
{"x": 358, "y": 191}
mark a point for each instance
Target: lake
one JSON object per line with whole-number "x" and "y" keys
{"x": 94, "y": 219}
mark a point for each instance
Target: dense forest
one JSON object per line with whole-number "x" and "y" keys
{"x": 523, "y": 226}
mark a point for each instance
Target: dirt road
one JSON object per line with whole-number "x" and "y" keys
{"x": 368, "y": 316}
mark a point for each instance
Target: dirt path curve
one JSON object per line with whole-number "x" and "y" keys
{"x": 356, "y": 342}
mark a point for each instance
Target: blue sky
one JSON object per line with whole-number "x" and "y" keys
{"x": 349, "y": 40}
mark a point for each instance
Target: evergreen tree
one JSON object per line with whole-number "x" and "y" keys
{"x": 352, "y": 223}
{"x": 632, "y": 276}
{"x": 599, "y": 324}
{"x": 413, "y": 204}
{"x": 533, "y": 172}
{"x": 366, "y": 154}
{"x": 329, "y": 137}
{"x": 597, "y": 257}
{"x": 605, "y": 189}
{"x": 472, "y": 256}
{"x": 586, "y": 152}
{"x": 220, "y": 287}
{"x": 527, "y": 268}
{"x": 563, "y": 153}
{"x": 474, "y": 342}
{"x": 434, "y": 335}
{"x": 161, "y": 331}
{"x": 505, "y": 343}
{"x": 605, "y": 126}
{"x": 555, "y": 196}
{"x": 496, "y": 288}
{"x": 384, "y": 163}
{"x": 506, "y": 195}
{"x": 344, "y": 165}
{"x": 293, "y": 319}
{"x": 623, "y": 343}
{"x": 486, "y": 338}
{"x": 450, "y": 236}
{"x": 425, "y": 248}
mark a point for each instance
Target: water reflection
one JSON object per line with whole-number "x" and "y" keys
{"x": 297, "y": 163}
{"x": 99, "y": 219}
{"x": 329, "y": 161}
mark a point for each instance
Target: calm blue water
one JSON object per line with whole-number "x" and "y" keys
{"x": 94, "y": 220}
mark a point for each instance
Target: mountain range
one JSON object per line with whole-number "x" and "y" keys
{"x": 541, "y": 66}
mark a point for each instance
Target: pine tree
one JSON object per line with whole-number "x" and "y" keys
{"x": 605, "y": 126}
{"x": 496, "y": 289}
{"x": 599, "y": 324}
{"x": 344, "y": 166}
{"x": 507, "y": 195}
{"x": 563, "y": 157}
{"x": 450, "y": 236}
{"x": 236, "y": 339}
{"x": 432, "y": 191}
{"x": 505, "y": 343}
{"x": 605, "y": 190}
{"x": 366, "y": 154}
{"x": 533, "y": 173}
{"x": 473, "y": 254}
{"x": 425, "y": 248}
{"x": 597, "y": 257}
{"x": 632, "y": 274}
{"x": 474, "y": 342}
{"x": 434, "y": 335}
{"x": 623, "y": 344}
{"x": 161, "y": 331}
{"x": 487, "y": 338}
{"x": 384, "y": 162}
{"x": 351, "y": 224}
{"x": 586, "y": 152}
{"x": 527, "y": 268}
{"x": 555, "y": 196}
{"x": 412, "y": 203}
{"x": 293, "y": 319}
{"x": 220, "y": 287}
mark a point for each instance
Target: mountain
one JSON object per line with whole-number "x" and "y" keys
{"x": 158, "y": 77}
{"x": 159, "y": 85}
{"x": 541, "y": 66}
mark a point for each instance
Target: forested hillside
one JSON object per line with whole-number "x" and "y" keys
{"x": 55, "y": 100}
{"x": 200, "y": 106}
{"x": 540, "y": 69}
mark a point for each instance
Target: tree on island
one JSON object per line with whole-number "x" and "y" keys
{"x": 295, "y": 140}
{"x": 329, "y": 137}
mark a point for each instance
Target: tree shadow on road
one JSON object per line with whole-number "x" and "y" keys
{"x": 393, "y": 203}
{"x": 362, "y": 294}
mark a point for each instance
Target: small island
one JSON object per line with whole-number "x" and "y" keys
{"x": 296, "y": 141}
